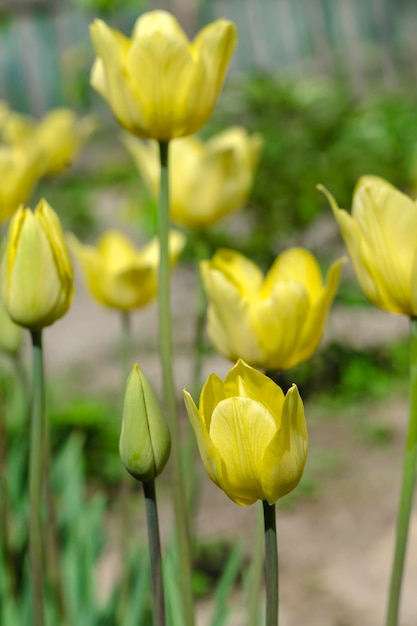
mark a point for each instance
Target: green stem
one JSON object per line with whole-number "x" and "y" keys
{"x": 170, "y": 401}
{"x": 158, "y": 603}
{"x": 126, "y": 346}
{"x": 407, "y": 489}
{"x": 5, "y": 508}
{"x": 271, "y": 565}
{"x": 202, "y": 252}
{"x": 36, "y": 467}
{"x": 255, "y": 573}
{"x": 52, "y": 542}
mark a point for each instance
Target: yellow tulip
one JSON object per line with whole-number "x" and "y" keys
{"x": 159, "y": 84}
{"x": 145, "y": 440}
{"x": 36, "y": 274}
{"x": 381, "y": 236}
{"x": 119, "y": 275}
{"x": 19, "y": 173}
{"x": 208, "y": 181}
{"x": 272, "y": 322}
{"x": 55, "y": 140}
{"x": 252, "y": 439}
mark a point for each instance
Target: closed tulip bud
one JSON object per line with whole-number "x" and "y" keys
{"x": 381, "y": 236}
{"x": 145, "y": 441}
{"x": 19, "y": 173}
{"x": 208, "y": 180}
{"x": 252, "y": 439}
{"x": 119, "y": 275}
{"x": 36, "y": 274}
{"x": 159, "y": 84}
{"x": 272, "y": 322}
{"x": 11, "y": 335}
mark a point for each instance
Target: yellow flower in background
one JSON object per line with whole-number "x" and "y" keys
{"x": 11, "y": 335}
{"x": 119, "y": 275}
{"x": 381, "y": 236}
{"x": 208, "y": 180}
{"x": 272, "y": 322}
{"x": 55, "y": 140}
{"x": 19, "y": 173}
{"x": 159, "y": 84}
{"x": 252, "y": 439}
{"x": 36, "y": 273}
{"x": 145, "y": 440}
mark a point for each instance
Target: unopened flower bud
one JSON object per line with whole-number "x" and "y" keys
{"x": 145, "y": 441}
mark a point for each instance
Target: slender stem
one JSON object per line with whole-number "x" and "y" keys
{"x": 407, "y": 489}
{"x": 36, "y": 467}
{"x": 255, "y": 573}
{"x": 52, "y": 542}
{"x": 271, "y": 565}
{"x": 4, "y": 507}
{"x": 201, "y": 253}
{"x": 170, "y": 401}
{"x": 126, "y": 363}
{"x": 158, "y": 603}
{"x": 126, "y": 346}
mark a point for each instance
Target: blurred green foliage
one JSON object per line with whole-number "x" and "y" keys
{"x": 316, "y": 132}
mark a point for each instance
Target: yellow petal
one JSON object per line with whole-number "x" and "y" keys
{"x": 229, "y": 326}
{"x": 245, "y": 381}
{"x": 209, "y": 454}
{"x": 110, "y": 78}
{"x": 286, "y": 455}
{"x": 241, "y": 429}
{"x": 278, "y": 322}
{"x": 298, "y": 265}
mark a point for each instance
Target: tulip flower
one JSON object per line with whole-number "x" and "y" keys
{"x": 145, "y": 441}
{"x": 19, "y": 173}
{"x": 55, "y": 140}
{"x": 381, "y": 236}
{"x": 208, "y": 180}
{"x": 272, "y": 322}
{"x": 252, "y": 439}
{"x": 119, "y": 275}
{"x": 36, "y": 273}
{"x": 159, "y": 84}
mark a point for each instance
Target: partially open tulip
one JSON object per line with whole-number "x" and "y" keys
{"x": 272, "y": 322}
{"x": 119, "y": 275}
{"x": 159, "y": 84}
{"x": 36, "y": 273}
{"x": 252, "y": 439}
{"x": 381, "y": 236}
{"x": 145, "y": 441}
{"x": 208, "y": 180}
{"x": 55, "y": 140}
{"x": 19, "y": 173}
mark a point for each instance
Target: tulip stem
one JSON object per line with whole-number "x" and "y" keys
{"x": 170, "y": 400}
{"x": 271, "y": 565}
{"x": 36, "y": 473}
{"x": 158, "y": 602}
{"x": 126, "y": 345}
{"x": 407, "y": 489}
{"x": 255, "y": 573}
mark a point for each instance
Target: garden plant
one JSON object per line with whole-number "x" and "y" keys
{"x": 251, "y": 432}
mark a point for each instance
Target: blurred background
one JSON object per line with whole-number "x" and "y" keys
{"x": 331, "y": 85}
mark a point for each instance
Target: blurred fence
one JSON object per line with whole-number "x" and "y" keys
{"x": 45, "y": 51}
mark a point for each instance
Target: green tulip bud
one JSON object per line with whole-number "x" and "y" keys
{"x": 145, "y": 441}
